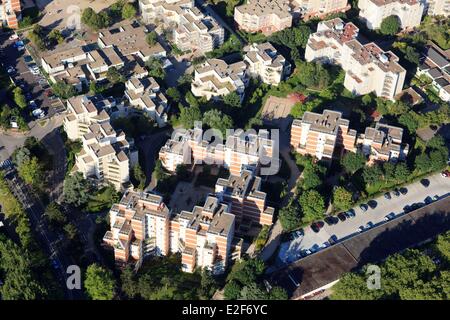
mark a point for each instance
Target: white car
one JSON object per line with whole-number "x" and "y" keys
{"x": 14, "y": 37}
{"x": 11, "y": 70}
{"x": 38, "y": 113}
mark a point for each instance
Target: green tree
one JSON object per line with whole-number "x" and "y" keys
{"x": 174, "y": 94}
{"x": 192, "y": 100}
{"x": 390, "y": 25}
{"x": 253, "y": 292}
{"x": 54, "y": 214}
{"x": 313, "y": 75}
{"x": 409, "y": 121}
{"x": 152, "y": 38}
{"x": 139, "y": 176}
{"x": 71, "y": 231}
{"x": 232, "y": 99}
{"x": 128, "y": 11}
{"x": 278, "y": 293}
{"x": 155, "y": 68}
{"x": 19, "y": 98}
{"x": 216, "y": 120}
{"x": 129, "y": 285}
{"x": 442, "y": 246}
{"x": 312, "y": 204}
{"x": 188, "y": 115}
{"x": 114, "y": 76}
{"x": 207, "y": 285}
{"x": 96, "y": 87}
{"x": 99, "y": 283}
{"x": 64, "y": 90}
{"x": 159, "y": 170}
{"x": 290, "y": 217}
{"x": 402, "y": 172}
{"x": 21, "y": 155}
{"x": 352, "y": 162}
{"x": 372, "y": 174}
{"x": 55, "y": 36}
{"x": 232, "y": 290}
{"x": 31, "y": 171}
{"x": 76, "y": 190}
{"x": 342, "y": 199}
{"x": 95, "y": 20}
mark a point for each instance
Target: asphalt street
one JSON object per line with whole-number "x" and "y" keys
{"x": 289, "y": 251}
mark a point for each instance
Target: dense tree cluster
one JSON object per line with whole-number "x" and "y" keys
{"x": 390, "y": 25}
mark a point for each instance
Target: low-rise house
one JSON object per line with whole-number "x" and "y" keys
{"x": 435, "y": 64}
{"x": 324, "y": 136}
{"x": 265, "y": 63}
{"x": 216, "y": 78}
{"x": 106, "y": 155}
{"x": 266, "y": 16}
{"x": 367, "y": 67}
{"x": 373, "y": 12}
{"x": 145, "y": 94}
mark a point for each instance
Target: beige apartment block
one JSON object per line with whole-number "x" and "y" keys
{"x": 144, "y": 94}
{"x": 383, "y": 143}
{"x": 367, "y": 67}
{"x": 247, "y": 201}
{"x": 373, "y": 12}
{"x": 324, "y": 136}
{"x": 308, "y": 9}
{"x": 438, "y": 7}
{"x": 265, "y": 63}
{"x": 216, "y": 78}
{"x": 240, "y": 151}
{"x": 10, "y": 13}
{"x": 266, "y": 16}
{"x": 142, "y": 225}
{"x": 192, "y": 29}
{"x": 106, "y": 155}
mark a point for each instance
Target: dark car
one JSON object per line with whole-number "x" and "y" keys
{"x": 342, "y": 216}
{"x": 350, "y": 213}
{"x": 403, "y": 191}
{"x": 425, "y": 183}
{"x": 333, "y": 239}
{"x": 396, "y": 192}
{"x": 363, "y": 207}
{"x": 387, "y": 196}
{"x": 428, "y": 200}
{"x": 372, "y": 204}
{"x": 316, "y": 226}
{"x": 407, "y": 209}
{"x": 331, "y": 220}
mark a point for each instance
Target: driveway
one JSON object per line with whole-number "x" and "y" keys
{"x": 416, "y": 193}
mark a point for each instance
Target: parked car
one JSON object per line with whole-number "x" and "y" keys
{"x": 436, "y": 197}
{"x": 333, "y": 239}
{"x": 369, "y": 225}
{"x": 403, "y": 191}
{"x": 390, "y": 216}
{"x": 331, "y": 220}
{"x": 33, "y": 104}
{"x": 350, "y": 213}
{"x": 11, "y": 70}
{"x": 407, "y": 209}
{"x": 425, "y": 183}
{"x": 428, "y": 200}
{"x": 372, "y": 204}
{"x": 387, "y": 196}
{"x": 13, "y": 37}
{"x": 396, "y": 192}
{"x": 445, "y": 174}
{"x": 342, "y": 216}
{"x": 28, "y": 59}
{"x": 363, "y": 207}
{"x": 316, "y": 226}
{"x": 299, "y": 233}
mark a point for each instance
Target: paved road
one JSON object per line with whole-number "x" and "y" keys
{"x": 416, "y": 193}
{"x": 48, "y": 239}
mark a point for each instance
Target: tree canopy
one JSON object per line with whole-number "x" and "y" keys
{"x": 390, "y": 25}
{"x": 99, "y": 283}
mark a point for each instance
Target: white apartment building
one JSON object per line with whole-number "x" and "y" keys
{"x": 308, "y": 9}
{"x": 144, "y": 94}
{"x": 266, "y": 63}
{"x": 216, "y": 78}
{"x": 266, "y": 16}
{"x": 367, "y": 67}
{"x": 373, "y": 12}
{"x": 106, "y": 154}
{"x": 437, "y": 7}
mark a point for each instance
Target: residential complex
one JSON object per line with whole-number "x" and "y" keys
{"x": 373, "y": 12}
{"x": 106, "y": 155}
{"x": 437, "y": 7}
{"x": 435, "y": 64}
{"x": 142, "y": 225}
{"x": 192, "y": 29}
{"x": 216, "y": 78}
{"x": 307, "y": 9}
{"x": 10, "y": 13}
{"x": 266, "y": 63}
{"x": 239, "y": 152}
{"x": 266, "y": 16}
{"x": 326, "y": 136}
{"x": 367, "y": 67}
{"x": 145, "y": 94}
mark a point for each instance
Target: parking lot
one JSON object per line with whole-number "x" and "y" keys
{"x": 32, "y": 82}
{"x": 310, "y": 241}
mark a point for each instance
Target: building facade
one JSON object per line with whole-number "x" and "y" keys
{"x": 106, "y": 155}
{"x": 142, "y": 225}
{"x": 10, "y": 13}
{"x": 437, "y": 7}
{"x": 373, "y": 12}
{"x": 324, "y": 136}
{"x": 265, "y": 63}
{"x": 367, "y": 67}
{"x": 308, "y": 9}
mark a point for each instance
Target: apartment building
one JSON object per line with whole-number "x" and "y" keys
{"x": 383, "y": 143}
{"x": 248, "y": 203}
{"x": 373, "y": 12}
{"x": 324, "y": 136}
{"x": 10, "y": 13}
{"x": 437, "y": 7}
{"x": 106, "y": 155}
{"x": 435, "y": 64}
{"x": 216, "y": 78}
{"x": 367, "y": 67}
{"x": 144, "y": 94}
{"x": 266, "y": 16}
{"x": 142, "y": 225}
{"x": 266, "y": 63}
{"x": 308, "y": 9}
{"x": 165, "y": 12}
{"x": 240, "y": 151}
